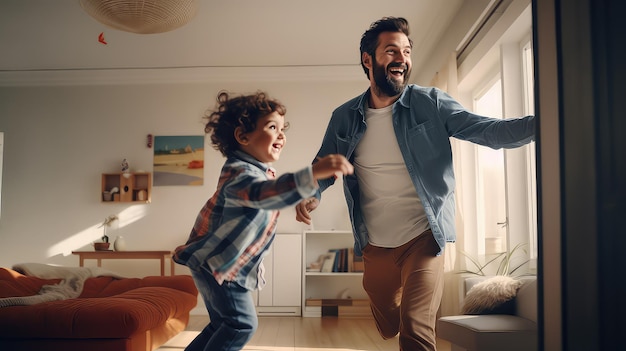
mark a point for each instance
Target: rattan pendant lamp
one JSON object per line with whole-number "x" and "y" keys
{"x": 141, "y": 16}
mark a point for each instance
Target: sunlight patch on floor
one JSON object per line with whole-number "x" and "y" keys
{"x": 180, "y": 341}
{"x": 303, "y": 334}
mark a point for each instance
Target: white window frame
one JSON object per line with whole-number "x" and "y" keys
{"x": 531, "y": 157}
{"x": 520, "y": 175}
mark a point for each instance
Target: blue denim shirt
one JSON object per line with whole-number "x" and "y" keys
{"x": 424, "y": 119}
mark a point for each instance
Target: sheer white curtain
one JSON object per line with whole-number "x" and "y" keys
{"x": 446, "y": 79}
{"x": 1, "y": 152}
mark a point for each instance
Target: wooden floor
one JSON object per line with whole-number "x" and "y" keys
{"x": 304, "y": 334}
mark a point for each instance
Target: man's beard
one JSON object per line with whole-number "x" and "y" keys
{"x": 385, "y": 83}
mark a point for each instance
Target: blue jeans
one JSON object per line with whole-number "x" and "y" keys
{"x": 232, "y": 315}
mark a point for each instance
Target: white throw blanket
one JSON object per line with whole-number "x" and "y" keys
{"x": 71, "y": 285}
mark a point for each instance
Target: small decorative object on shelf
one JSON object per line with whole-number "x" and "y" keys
{"x": 107, "y": 196}
{"x": 125, "y": 169}
{"x": 141, "y": 195}
{"x": 119, "y": 244}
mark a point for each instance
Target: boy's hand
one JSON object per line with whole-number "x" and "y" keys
{"x": 304, "y": 208}
{"x": 331, "y": 165}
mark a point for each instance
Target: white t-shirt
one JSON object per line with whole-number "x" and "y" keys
{"x": 392, "y": 211}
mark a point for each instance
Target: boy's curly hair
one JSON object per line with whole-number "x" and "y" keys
{"x": 242, "y": 111}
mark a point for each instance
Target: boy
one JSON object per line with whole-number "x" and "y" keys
{"x": 236, "y": 226}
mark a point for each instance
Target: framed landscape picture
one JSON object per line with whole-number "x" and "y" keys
{"x": 178, "y": 160}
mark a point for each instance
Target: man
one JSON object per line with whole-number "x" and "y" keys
{"x": 401, "y": 195}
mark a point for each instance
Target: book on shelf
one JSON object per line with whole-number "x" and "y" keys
{"x": 313, "y": 302}
{"x": 337, "y": 260}
{"x": 317, "y": 265}
{"x": 329, "y": 262}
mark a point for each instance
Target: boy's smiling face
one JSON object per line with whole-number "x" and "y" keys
{"x": 267, "y": 140}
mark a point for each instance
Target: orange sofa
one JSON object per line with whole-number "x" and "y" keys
{"x": 111, "y": 314}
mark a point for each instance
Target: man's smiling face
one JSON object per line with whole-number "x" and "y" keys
{"x": 391, "y": 66}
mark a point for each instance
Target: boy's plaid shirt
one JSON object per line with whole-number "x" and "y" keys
{"x": 237, "y": 224}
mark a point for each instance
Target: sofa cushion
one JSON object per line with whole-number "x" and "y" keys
{"x": 13, "y": 283}
{"x": 110, "y": 286}
{"x": 492, "y": 296}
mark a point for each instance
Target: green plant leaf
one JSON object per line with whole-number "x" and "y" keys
{"x": 502, "y": 260}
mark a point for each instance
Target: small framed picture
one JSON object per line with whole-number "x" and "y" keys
{"x": 178, "y": 160}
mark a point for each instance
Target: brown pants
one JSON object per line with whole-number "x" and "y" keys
{"x": 405, "y": 286}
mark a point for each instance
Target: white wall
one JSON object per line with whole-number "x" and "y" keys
{"x": 58, "y": 140}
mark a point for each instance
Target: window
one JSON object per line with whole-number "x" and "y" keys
{"x": 491, "y": 197}
{"x": 500, "y": 191}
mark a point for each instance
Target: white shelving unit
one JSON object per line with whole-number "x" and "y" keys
{"x": 327, "y": 285}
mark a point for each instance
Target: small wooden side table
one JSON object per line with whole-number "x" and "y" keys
{"x": 124, "y": 255}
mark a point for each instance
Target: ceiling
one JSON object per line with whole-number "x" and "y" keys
{"x": 58, "y": 36}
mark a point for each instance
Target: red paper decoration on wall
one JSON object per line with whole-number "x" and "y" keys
{"x": 101, "y": 38}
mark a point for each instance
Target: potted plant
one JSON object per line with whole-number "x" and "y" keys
{"x": 105, "y": 244}
{"x": 502, "y": 262}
